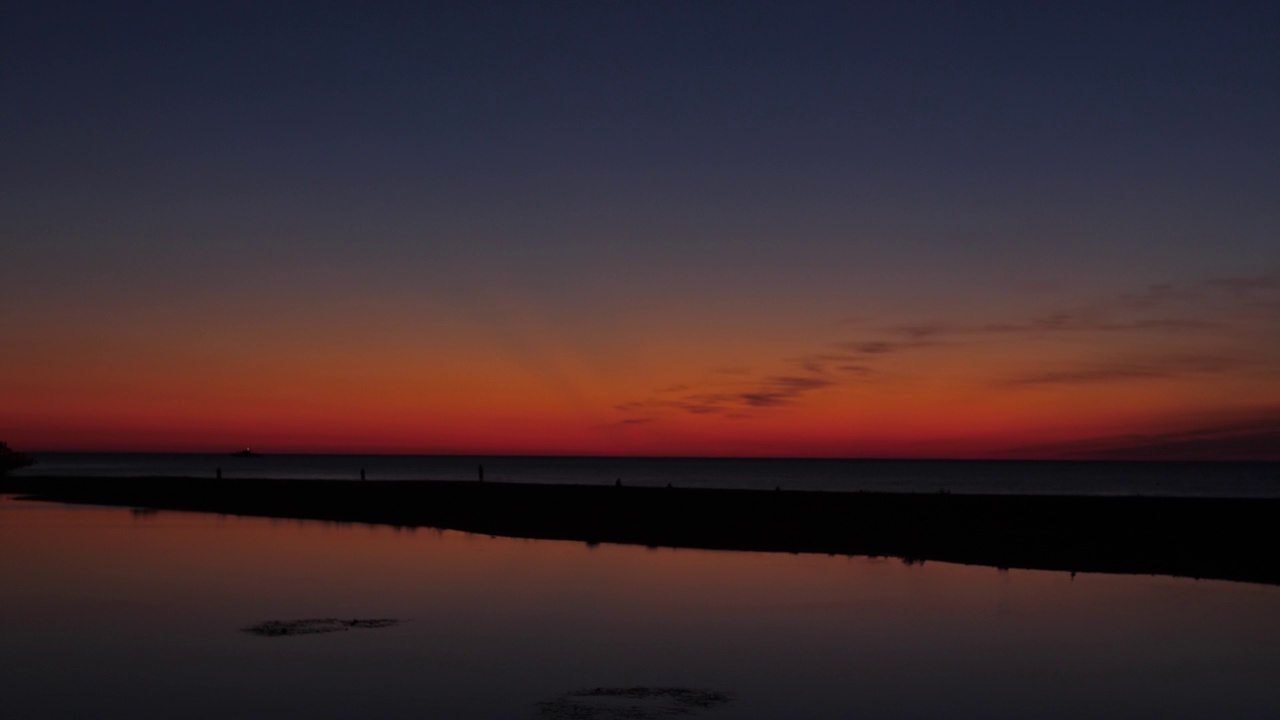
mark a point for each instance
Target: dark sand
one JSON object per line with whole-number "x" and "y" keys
{"x": 317, "y": 626}
{"x": 1223, "y": 538}
{"x": 630, "y": 703}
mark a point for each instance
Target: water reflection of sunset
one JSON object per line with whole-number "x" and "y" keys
{"x": 114, "y": 599}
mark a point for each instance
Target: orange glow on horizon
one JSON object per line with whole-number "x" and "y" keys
{"x": 527, "y": 386}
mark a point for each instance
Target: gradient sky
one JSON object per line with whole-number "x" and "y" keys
{"x": 685, "y": 228}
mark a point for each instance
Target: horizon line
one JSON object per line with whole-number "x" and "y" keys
{"x": 605, "y": 456}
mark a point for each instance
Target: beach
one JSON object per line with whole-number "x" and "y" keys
{"x": 1211, "y": 538}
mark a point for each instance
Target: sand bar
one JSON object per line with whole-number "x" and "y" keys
{"x": 1220, "y": 538}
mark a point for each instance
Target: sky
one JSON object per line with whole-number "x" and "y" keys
{"x": 882, "y": 229}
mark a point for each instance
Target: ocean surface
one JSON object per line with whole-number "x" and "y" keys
{"x": 919, "y": 476}
{"x": 118, "y": 613}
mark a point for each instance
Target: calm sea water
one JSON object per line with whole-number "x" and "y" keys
{"x": 1004, "y": 477}
{"x": 108, "y": 613}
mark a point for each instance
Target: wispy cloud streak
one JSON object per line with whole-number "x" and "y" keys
{"x": 1152, "y": 368}
{"x": 1160, "y": 332}
{"x": 1256, "y": 436}
{"x": 769, "y": 392}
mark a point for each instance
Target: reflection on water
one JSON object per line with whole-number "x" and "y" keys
{"x": 107, "y": 613}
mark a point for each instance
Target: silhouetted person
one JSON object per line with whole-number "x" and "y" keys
{"x": 362, "y": 473}
{"x": 480, "y": 472}
{"x": 219, "y": 473}
{"x": 617, "y": 483}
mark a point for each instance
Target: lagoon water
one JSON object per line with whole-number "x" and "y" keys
{"x": 107, "y": 613}
{"x": 1223, "y": 479}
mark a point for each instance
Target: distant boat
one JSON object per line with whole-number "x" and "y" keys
{"x": 245, "y": 453}
{"x": 10, "y": 460}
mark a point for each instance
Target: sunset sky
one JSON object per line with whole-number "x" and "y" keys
{"x": 884, "y": 229}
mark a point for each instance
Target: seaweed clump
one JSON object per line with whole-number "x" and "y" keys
{"x": 630, "y": 703}
{"x": 313, "y": 626}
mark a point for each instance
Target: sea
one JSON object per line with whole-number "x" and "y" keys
{"x": 110, "y": 612}
{"x": 1009, "y": 477}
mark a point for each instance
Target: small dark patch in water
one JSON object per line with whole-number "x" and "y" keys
{"x": 313, "y": 626}
{"x": 631, "y": 703}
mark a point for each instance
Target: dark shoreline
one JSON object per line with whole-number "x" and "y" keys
{"x": 1218, "y": 538}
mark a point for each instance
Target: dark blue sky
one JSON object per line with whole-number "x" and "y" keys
{"x": 761, "y": 171}
{"x": 657, "y": 119}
